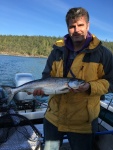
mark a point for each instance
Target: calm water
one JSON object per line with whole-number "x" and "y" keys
{"x": 10, "y": 65}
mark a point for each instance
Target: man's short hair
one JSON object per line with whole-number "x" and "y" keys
{"x": 75, "y": 13}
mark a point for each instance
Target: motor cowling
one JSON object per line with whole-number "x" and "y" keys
{"x": 21, "y": 78}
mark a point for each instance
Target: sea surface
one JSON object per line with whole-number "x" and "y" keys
{"x": 10, "y": 65}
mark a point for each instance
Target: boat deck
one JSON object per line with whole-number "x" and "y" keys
{"x": 103, "y": 142}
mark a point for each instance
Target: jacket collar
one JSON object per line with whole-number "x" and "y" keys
{"x": 69, "y": 44}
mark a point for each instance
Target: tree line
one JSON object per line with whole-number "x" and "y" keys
{"x": 32, "y": 45}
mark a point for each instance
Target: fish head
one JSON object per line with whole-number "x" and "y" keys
{"x": 74, "y": 83}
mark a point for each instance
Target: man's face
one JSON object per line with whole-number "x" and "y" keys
{"x": 78, "y": 29}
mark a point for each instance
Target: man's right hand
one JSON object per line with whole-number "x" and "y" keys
{"x": 38, "y": 92}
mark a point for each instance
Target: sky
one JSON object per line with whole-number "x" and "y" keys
{"x": 47, "y": 17}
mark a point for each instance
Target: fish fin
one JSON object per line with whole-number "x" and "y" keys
{"x": 9, "y": 93}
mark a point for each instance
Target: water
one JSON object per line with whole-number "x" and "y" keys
{"x": 10, "y": 65}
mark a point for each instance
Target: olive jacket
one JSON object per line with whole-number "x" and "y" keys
{"x": 74, "y": 112}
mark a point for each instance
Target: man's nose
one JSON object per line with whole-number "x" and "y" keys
{"x": 76, "y": 29}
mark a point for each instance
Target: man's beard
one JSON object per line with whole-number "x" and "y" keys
{"x": 78, "y": 42}
{"x": 77, "y": 37}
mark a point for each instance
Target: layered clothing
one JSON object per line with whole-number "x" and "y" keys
{"x": 74, "y": 112}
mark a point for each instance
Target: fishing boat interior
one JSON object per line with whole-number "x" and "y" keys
{"x": 21, "y": 120}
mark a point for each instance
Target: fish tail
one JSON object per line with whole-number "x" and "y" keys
{"x": 8, "y": 92}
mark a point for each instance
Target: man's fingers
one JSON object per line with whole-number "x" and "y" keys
{"x": 74, "y": 90}
{"x": 38, "y": 92}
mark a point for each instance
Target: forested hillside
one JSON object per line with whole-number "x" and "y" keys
{"x": 31, "y": 45}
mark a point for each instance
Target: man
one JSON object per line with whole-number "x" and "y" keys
{"x": 80, "y": 54}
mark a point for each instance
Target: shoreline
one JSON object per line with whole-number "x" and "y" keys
{"x": 19, "y": 55}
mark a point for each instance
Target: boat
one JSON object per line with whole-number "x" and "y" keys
{"x": 30, "y": 110}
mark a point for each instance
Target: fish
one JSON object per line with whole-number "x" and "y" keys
{"x": 50, "y": 86}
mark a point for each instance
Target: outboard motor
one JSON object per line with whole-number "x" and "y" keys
{"x": 21, "y": 78}
{"x": 22, "y": 99}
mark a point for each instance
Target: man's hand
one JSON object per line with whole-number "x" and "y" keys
{"x": 82, "y": 88}
{"x": 38, "y": 92}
